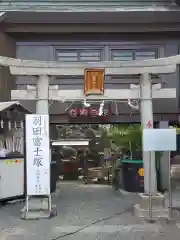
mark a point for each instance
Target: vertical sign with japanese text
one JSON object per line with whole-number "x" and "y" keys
{"x": 37, "y": 154}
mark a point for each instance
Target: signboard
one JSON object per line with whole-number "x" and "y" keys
{"x": 37, "y": 154}
{"x": 159, "y": 140}
{"x": 94, "y": 81}
{"x": 92, "y": 112}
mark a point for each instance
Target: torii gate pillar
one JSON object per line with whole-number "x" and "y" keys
{"x": 146, "y": 110}
{"x": 42, "y": 97}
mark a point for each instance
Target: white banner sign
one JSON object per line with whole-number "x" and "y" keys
{"x": 37, "y": 154}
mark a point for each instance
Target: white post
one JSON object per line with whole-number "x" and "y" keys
{"x": 42, "y": 95}
{"x": 147, "y": 122}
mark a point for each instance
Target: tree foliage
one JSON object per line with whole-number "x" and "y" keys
{"x": 117, "y": 138}
{"x": 126, "y": 137}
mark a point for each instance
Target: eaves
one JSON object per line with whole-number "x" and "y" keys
{"x": 78, "y": 15}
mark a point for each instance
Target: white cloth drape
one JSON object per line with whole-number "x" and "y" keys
{"x": 14, "y": 141}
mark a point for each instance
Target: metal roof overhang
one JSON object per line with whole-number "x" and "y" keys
{"x": 152, "y": 16}
{"x": 4, "y": 106}
{"x": 3, "y": 15}
{"x": 71, "y": 142}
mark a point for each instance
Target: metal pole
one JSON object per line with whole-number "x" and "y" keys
{"x": 130, "y": 149}
{"x": 150, "y": 193}
{"x": 49, "y": 203}
{"x": 85, "y": 168}
{"x": 27, "y": 206}
{"x": 170, "y": 187}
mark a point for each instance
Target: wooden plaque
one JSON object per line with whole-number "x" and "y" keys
{"x": 94, "y": 82}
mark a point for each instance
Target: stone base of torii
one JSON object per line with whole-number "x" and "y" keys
{"x": 145, "y": 93}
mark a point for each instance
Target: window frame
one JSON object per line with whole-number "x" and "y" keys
{"x": 134, "y": 50}
{"x": 79, "y": 49}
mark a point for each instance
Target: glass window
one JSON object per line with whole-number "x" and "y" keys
{"x": 128, "y": 55}
{"x": 90, "y": 55}
{"x": 68, "y": 82}
{"x": 121, "y": 55}
{"x": 66, "y": 55}
{"x": 73, "y": 55}
{"x": 143, "y": 55}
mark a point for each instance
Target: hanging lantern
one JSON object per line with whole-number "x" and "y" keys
{"x": 2, "y": 124}
{"x": 9, "y": 125}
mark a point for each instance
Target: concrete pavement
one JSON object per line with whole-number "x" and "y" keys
{"x": 78, "y": 207}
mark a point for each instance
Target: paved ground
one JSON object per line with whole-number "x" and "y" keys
{"x": 79, "y": 205}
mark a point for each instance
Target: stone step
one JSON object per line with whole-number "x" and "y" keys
{"x": 144, "y": 212}
{"x": 157, "y": 201}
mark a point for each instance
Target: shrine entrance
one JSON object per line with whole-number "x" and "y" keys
{"x": 139, "y": 96}
{"x": 94, "y": 82}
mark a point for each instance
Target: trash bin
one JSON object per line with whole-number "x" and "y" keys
{"x": 133, "y": 175}
{"x": 54, "y": 175}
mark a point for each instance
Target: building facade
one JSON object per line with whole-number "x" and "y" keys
{"x": 91, "y": 31}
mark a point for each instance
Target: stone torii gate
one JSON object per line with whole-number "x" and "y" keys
{"x": 145, "y": 92}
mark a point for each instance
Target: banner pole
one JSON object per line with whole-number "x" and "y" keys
{"x": 150, "y": 195}
{"x": 170, "y": 186}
